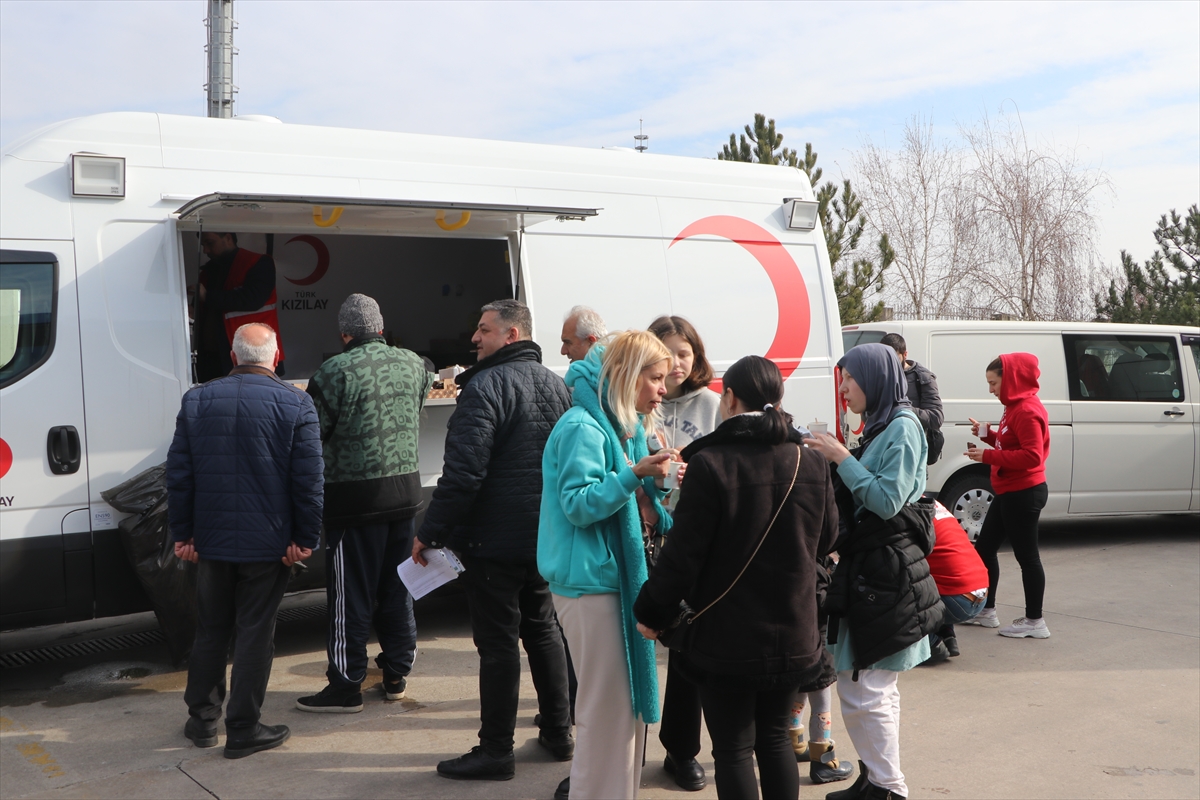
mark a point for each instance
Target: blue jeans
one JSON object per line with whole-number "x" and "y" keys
{"x": 958, "y": 609}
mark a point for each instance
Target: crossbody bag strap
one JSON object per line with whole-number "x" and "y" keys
{"x": 771, "y": 524}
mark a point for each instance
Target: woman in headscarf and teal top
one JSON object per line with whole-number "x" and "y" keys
{"x": 893, "y": 604}
{"x": 590, "y": 551}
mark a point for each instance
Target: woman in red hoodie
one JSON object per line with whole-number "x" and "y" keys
{"x": 1021, "y": 443}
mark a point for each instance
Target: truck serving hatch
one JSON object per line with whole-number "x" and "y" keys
{"x": 264, "y": 213}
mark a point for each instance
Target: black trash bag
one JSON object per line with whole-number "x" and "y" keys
{"x": 169, "y": 581}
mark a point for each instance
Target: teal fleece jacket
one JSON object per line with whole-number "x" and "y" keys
{"x": 589, "y": 534}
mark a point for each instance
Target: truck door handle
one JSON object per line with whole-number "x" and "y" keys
{"x": 62, "y": 449}
{"x": 1173, "y": 413}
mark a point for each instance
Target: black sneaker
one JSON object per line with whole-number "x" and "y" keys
{"x": 200, "y": 734}
{"x": 260, "y": 737}
{"x": 394, "y": 690}
{"x": 331, "y": 701}
{"x": 561, "y": 747}
{"x": 479, "y": 765}
{"x": 563, "y": 792}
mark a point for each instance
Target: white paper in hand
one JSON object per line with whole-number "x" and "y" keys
{"x": 443, "y": 567}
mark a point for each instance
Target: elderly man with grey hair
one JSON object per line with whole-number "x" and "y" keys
{"x": 581, "y": 329}
{"x": 369, "y": 400}
{"x": 244, "y": 492}
{"x": 486, "y": 507}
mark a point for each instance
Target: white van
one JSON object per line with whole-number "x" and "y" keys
{"x": 100, "y": 225}
{"x": 1123, "y": 402}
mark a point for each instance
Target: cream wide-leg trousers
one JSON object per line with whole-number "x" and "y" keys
{"x": 608, "y": 739}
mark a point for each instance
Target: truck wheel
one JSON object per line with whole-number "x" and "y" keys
{"x": 968, "y": 498}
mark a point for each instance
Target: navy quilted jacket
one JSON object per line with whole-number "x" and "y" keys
{"x": 244, "y": 472}
{"x": 486, "y": 502}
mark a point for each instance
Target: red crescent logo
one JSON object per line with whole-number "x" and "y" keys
{"x": 6, "y": 458}
{"x": 791, "y": 295}
{"x": 322, "y": 260}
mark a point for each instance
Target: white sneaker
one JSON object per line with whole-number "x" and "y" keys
{"x": 1024, "y": 627}
{"x": 985, "y": 619}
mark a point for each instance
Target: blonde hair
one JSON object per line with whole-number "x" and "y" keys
{"x": 626, "y": 355}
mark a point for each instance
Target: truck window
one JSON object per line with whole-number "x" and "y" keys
{"x": 1123, "y": 368}
{"x": 26, "y": 318}
{"x": 855, "y": 338}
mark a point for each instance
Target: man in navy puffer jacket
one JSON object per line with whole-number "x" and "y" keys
{"x": 486, "y": 507}
{"x": 244, "y": 495}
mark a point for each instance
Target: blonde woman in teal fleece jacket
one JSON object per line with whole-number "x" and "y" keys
{"x": 590, "y": 551}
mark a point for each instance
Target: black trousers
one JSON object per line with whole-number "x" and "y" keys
{"x": 744, "y": 721}
{"x": 679, "y": 730}
{"x": 363, "y": 587}
{"x": 511, "y": 602}
{"x": 1014, "y": 516}
{"x": 234, "y": 603}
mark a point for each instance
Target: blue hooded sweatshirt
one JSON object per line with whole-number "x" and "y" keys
{"x": 589, "y": 534}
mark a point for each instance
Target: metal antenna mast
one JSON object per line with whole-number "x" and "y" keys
{"x": 641, "y": 139}
{"x": 220, "y": 52}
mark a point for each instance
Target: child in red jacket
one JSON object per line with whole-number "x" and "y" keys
{"x": 961, "y": 578}
{"x": 1020, "y": 444}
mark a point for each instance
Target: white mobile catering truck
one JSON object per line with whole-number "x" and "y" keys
{"x": 100, "y": 219}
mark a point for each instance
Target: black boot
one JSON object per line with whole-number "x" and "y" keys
{"x": 873, "y": 792}
{"x": 689, "y": 775}
{"x": 563, "y": 792}
{"x": 479, "y": 765}
{"x": 855, "y": 791}
{"x": 824, "y": 766}
{"x": 260, "y": 737}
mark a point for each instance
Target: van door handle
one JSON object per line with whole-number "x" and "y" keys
{"x": 63, "y": 450}
{"x": 1174, "y": 412}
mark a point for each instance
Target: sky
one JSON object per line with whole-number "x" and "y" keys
{"x": 1117, "y": 82}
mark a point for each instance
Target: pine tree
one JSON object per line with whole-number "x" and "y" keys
{"x": 840, "y": 216}
{"x": 1151, "y": 293}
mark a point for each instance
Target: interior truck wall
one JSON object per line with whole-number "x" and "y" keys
{"x": 429, "y": 289}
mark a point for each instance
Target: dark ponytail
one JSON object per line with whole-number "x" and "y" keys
{"x": 757, "y": 382}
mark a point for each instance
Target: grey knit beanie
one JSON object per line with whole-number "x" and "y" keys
{"x": 359, "y": 316}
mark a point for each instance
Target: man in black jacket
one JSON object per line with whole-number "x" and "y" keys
{"x": 922, "y": 393}
{"x": 485, "y": 507}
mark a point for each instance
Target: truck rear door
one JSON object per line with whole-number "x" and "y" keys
{"x": 45, "y": 533}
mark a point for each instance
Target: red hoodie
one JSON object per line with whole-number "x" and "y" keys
{"x": 1022, "y": 438}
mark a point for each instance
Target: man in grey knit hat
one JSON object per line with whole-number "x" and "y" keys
{"x": 369, "y": 400}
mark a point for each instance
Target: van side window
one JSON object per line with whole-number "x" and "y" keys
{"x": 1192, "y": 342}
{"x": 1123, "y": 368}
{"x": 855, "y": 338}
{"x": 27, "y": 305}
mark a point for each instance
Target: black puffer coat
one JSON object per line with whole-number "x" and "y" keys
{"x": 882, "y": 586}
{"x": 486, "y": 502}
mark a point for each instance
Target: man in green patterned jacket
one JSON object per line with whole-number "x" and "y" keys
{"x": 369, "y": 400}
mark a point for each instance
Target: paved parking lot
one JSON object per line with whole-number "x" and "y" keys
{"x": 1109, "y": 706}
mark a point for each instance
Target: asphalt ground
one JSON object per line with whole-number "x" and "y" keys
{"x": 1109, "y": 706}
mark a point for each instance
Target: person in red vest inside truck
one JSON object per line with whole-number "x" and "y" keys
{"x": 236, "y": 287}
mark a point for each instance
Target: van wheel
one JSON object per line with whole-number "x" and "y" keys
{"x": 969, "y": 499}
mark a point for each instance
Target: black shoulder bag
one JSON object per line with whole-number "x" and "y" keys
{"x": 680, "y": 634}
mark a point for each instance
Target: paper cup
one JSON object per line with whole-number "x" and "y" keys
{"x": 672, "y": 479}
{"x": 818, "y": 427}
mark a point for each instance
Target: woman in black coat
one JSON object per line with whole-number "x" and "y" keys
{"x": 759, "y": 640}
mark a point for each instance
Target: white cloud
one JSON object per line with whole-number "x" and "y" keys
{"x": 1108, "y": 77}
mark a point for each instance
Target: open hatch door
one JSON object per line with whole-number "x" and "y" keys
{"x": 292, "y": 213}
